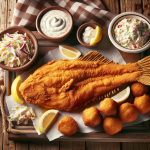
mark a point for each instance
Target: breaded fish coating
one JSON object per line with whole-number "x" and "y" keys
{"x": 69, "y": 84}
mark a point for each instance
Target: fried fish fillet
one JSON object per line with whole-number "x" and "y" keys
{"x": 69, "y": 84}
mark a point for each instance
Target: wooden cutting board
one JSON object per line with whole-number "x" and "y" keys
{"x": 135, "y": 132}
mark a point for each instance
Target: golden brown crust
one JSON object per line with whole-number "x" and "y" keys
{"x": 67, "y": 126}
{"x": 142, "y": 103}
{"x": 127, "y": 112}
{"x": 69, "y": 84}
{"x": 108, "y": 107}
{"x": 112, "y": 125}
{"x": 139, "y": 89}
{"x": 91, "y": 117}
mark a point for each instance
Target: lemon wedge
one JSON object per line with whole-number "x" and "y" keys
{"x": 98, "y": 35}
{"x": 46, "y": 120}
{"x": 69, "y": 52}
{"x": 16, "y": 94}
{"x": 122, "y": 96}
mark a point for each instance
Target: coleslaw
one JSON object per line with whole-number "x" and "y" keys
{"x": 22, "y": 114}
{"x": 132, "y": 33}
{"x": 16, "y": 49}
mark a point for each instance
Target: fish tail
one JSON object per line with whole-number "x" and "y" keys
{"x": 144, "y": 65}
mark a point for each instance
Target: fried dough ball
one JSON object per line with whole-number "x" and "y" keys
{"x": 112, "y": 125}
{"x": 91, "y": 117}
{"x": 138, "y": 89}
{"x": 108, "y": 107}
{"x": 67, "y": 126}
{"x": 142, "y": 104}
{"x": 127, "y": 112}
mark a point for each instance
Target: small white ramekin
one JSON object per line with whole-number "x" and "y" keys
{"x": 118, "y": 18}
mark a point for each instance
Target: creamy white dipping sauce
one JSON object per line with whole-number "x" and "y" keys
{"x": 89, "y": 35}
{"x": 55, "y": 23}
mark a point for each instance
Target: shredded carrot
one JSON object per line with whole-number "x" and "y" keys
{"x": 4, "y": 54}
{"x": 19, "y": 115}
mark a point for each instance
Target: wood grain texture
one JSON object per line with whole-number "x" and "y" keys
{"x": 130, "y": 5}
{"x": 10, "y": 10}
{"x": 65, "y": 145}
{"x": 146, "y": 8}
{"x": 3, "y": 17}
{"x": 123, "y": 136}
{"x": 21, "y": 145}
{"x": 44, "y": 145}
{"x": 5, "y": 142}
{"x": 12, "y": 145}
{"x": 112, "y": 5}
{"x": 72, "y": 145}
{"x": 148, "y": 146}
{"x": 102, "y": 146}
{"x": 135, "y": 146}
{"x": 1, "y": 132}
{"x": 122, "y": 6}
{"x": 6, "y": 11}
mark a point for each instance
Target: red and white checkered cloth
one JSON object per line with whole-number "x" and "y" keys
{"x": 26, "y": 11}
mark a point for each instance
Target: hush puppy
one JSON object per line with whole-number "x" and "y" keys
{"x": 108, "y": 107}
{"x": 67, "y": 126}
{"x": 91, "y": 117}
{"x": 112, "y": 125}
{"x": 138, "y": 89}
{"x": 127, "y": 112}
{"x": 142, "y": 103}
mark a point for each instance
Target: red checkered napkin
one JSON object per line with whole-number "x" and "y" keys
{"x": 26, "y": 11}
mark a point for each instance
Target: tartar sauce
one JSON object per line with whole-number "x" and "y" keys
{"x": 55, "y": 23}
{"x": 22, "y": 114}
{"x": 132, "y": 33}
{"x": 89, "y": 35}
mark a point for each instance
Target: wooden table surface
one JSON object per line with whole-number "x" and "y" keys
{"x": 116, "y": 6}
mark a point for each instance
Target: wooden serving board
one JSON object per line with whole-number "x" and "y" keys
{"x": 138, "y": 133}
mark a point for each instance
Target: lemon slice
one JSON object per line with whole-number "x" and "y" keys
{"x": 16, "y": 94}
{"x": 69, "y": 52}
{"x": 122, "y": 96}
{"x": 98, "y": 35}
{"x": 46, "y": 120}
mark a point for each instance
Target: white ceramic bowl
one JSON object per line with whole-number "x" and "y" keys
{"x": 118, "y": 18}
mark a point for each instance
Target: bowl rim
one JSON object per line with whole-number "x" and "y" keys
{"x": 111, "y": 36}
{"x": 81, "y": 28}
{"x": 38, "y": 19}
{"x": 28, "y": 32}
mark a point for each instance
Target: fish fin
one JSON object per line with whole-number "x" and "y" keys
{"x": 66, "y": 87}
{"x": 108, "y": 94}
{"x": 145, "y": 70}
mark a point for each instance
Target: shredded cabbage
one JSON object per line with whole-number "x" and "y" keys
{"x": 10, "y": 49}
